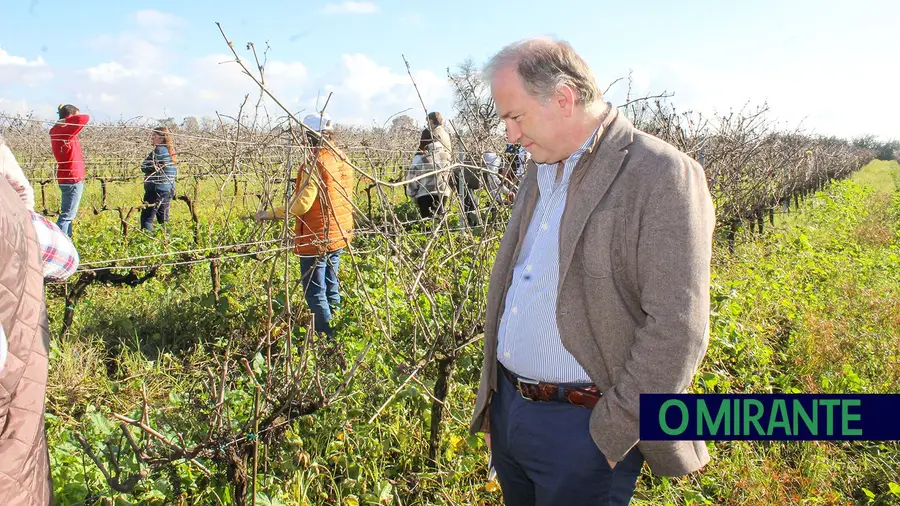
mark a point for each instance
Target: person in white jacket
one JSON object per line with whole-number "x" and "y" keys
{"x": 432, "y": 190}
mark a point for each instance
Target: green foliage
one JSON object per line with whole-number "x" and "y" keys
{"x": 882, "y": 176}
{"x": 809, "y": 307}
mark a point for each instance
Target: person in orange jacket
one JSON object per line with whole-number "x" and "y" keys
{"x": 322, "y": 206}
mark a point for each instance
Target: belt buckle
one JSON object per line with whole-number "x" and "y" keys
{"x": 520, "y": 381}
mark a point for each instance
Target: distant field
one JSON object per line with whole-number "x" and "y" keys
{"x": 882, "y": 176}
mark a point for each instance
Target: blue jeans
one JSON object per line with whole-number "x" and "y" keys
{"x": 321, "y": 288}
{"x": 68, "y": 207}
{"x": 544, "y": 454}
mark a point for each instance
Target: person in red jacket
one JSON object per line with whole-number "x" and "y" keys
{"x": 70, "y": 162}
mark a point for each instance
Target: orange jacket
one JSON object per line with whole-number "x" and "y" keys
{"x": 328, "y": 224}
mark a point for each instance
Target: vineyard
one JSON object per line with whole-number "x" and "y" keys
{"x": 184, "y": 370}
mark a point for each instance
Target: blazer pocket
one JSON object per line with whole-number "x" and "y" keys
{"x": 602, "y": 244}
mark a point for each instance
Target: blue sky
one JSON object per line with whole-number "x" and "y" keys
{"x": 831, "y": 65}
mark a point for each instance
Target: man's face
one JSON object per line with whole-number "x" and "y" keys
{"x": 529, "y": 122}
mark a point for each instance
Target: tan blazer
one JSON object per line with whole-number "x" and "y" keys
{"x": 633, "y": 304}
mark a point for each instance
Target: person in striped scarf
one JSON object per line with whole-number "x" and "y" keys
{"x": 159, "y": 182}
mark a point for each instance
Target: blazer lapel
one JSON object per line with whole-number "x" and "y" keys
{"x": 591, "y": 178}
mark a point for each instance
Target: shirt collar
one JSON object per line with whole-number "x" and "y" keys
{"x": 569, "y": 164}
{"x": 585, "y": 145}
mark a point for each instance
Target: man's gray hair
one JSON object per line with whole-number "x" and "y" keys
{"x": 544, "y": 65}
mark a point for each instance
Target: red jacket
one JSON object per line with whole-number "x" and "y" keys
{"x": 67, "y": 148}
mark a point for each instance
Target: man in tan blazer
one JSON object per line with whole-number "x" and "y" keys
{"x": 599, "y": 292}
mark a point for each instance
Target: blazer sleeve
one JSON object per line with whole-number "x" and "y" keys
{"x": 674, "y": 249}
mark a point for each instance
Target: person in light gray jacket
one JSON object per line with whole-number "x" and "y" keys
{"x": 429, "y": 174}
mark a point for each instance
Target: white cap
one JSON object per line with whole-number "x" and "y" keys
{"x": 319, "y": 123}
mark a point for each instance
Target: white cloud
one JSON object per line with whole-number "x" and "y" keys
{"x": 158, "y": 27}
{"x": 137, "y": 75}
{"x": 111, "y": 72}
{"x": 366, "y": 92}
{"x": 289, "y": 71}
{"x": 174, "y": 81}
{"x": 350, "y": 8}
{"x": 24, "y": 107}
{"x": 19, "y": 70}
{"x": 155, "y": 19}
{"x": 8, "y": 59}
{"x": 806, "y": 94}
{"x": 145, "y": 44}
{"x": 132, "y": 49}
{"x": 113, "y": 89}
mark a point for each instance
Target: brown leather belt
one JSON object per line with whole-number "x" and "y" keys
{"x": 580, "y": 395}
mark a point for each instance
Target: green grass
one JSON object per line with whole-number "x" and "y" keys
{"x": 809, "y": 306}
{"x": 882, "y": 176}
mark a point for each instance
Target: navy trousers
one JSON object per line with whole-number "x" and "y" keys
{"x": 161, "y": 195}
{"x": 544, "y": 455}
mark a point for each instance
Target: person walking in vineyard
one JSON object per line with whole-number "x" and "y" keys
{"x": 160, "y": 173}
{"x": 322, "y": 206}
{"x": 600, "y": 289}
{"x": 432, "y": 191}
{"x": 439, "y": 133}
{"x": 66, "y": 147}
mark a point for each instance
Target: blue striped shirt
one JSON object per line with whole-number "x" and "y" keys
{"x": 528, "y": 338}
{"x": 159, "y": 168}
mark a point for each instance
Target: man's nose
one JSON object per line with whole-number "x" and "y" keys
{"x": 513, "y": 134}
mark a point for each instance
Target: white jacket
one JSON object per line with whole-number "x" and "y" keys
{"x": 433, "y": 184}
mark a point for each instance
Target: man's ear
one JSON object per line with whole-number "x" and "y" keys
{"x": 565, "y": 100}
